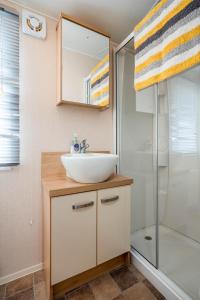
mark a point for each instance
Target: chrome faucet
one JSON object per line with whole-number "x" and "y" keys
{"x": 83, "y": 146}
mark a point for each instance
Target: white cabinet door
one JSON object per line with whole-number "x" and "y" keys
{"x": 113, "y": 223}
{"x": 73, "y": 235}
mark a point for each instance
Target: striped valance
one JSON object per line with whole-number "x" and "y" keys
{"x": 100, "y": 83}
{"x": 167, "y": 41}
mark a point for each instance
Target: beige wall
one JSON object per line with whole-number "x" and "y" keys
{"x": 44, "y": 127}
{"x": 76, "y": 67}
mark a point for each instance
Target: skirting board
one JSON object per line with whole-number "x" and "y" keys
{"x": 166, "y": 286}
{"x": 21, "y": 273}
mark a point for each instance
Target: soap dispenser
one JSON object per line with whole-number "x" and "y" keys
{"x": 75, "y": 147}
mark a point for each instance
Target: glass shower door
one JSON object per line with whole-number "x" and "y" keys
{"x": 179, "y": 180}
{"x": 137, "y": 146}
{"x": 158, "y": 141}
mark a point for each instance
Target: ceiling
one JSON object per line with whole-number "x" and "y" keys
{"x": 116, "y": 17}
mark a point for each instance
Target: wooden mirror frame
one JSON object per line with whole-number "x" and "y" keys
{"x": 59, "y": 96}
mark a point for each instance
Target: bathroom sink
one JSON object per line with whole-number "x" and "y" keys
{"x": 89, "y": 167}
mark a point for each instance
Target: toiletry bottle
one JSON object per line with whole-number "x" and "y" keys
{"x": 75, "y": 144}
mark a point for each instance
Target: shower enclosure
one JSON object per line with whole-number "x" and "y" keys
{"x": 158, "y": 142}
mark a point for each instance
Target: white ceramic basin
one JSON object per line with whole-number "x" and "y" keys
{"x": 89, "y": 167}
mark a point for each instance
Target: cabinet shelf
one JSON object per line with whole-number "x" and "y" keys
{"x": 84, "y": 105}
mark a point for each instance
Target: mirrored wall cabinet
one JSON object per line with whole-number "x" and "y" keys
{"x": 84, "y": 65}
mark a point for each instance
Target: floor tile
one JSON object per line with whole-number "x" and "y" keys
{"x": 138, "y": 292}
{"x": 19, "y": 285}
{"x": 38, "y": 277}
{"x": 125, "y": 283}
{"x": 104, "y": 288}
{"x": 40, "y": 291}
{"x": 154, "y": 291}
{"x": 136, "y": 273}
{"x": 120, "y": 297}
{"x": 83, "y": 293}
{"x": 2, "y": 291}
{"x": 124, "y": 278}
{"x": 25, "y": 295}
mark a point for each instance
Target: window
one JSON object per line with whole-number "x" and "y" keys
{"x": 9, "y": 88}
{"x": 87, "y": 89}
{"x": 184, "y": 113}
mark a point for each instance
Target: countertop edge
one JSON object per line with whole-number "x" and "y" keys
{"x": 62, "y": 191}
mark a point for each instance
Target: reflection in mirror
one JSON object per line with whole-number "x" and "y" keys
{"x": 85, "y": 65}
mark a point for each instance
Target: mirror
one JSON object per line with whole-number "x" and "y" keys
{"x": 85, "y": 65}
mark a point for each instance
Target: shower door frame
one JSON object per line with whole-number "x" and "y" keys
{"x": 116, "y": 139}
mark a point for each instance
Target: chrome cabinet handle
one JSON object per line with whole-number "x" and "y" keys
{"x": 107, "y": 200}
{"x": 79, "y": 206}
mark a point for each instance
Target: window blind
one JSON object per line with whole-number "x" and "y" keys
{"x": 9, "y": 88}
{"x": 184, "y": 113}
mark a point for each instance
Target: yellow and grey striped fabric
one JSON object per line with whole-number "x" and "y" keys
{"x": 167, "y": 41}
{"x": 99, "y": 93}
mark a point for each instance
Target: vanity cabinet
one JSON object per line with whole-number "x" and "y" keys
{"x": 113, "y": 223}
{"x": 73, "y": 235}
{"x": 88, "y": 229}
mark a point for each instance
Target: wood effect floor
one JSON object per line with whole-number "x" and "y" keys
{"x": 125, "y": 283}
{"x": 30, "y": 287}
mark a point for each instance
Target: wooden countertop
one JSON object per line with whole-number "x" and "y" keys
{"x": 66, "y": 186}
{"x": 55, "y": 183}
